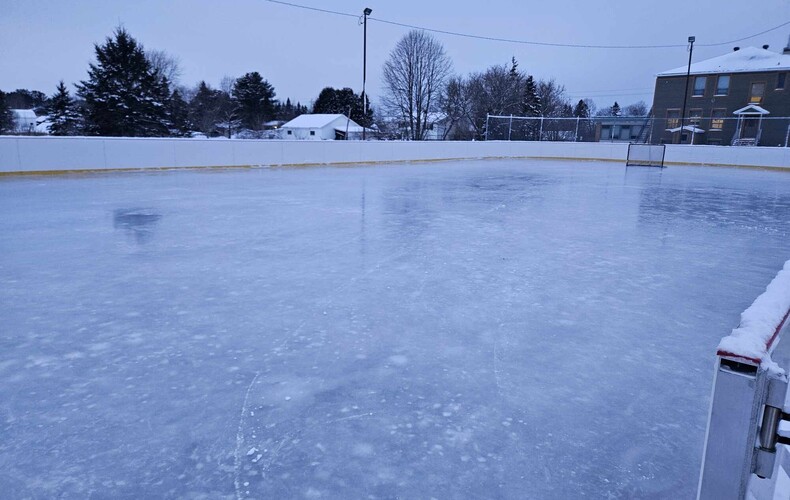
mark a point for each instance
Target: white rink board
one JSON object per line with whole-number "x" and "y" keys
{"x": 46, "y": 154}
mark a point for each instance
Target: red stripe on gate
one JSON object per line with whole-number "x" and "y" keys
{"x": 768, "y": 344}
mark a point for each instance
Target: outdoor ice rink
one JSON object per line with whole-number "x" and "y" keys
{"x": 482, "y": 329}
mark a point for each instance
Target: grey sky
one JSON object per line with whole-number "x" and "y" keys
{"x": 300, "y": 52}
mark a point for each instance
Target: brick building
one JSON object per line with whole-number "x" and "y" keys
{"x": 733, "y": 99}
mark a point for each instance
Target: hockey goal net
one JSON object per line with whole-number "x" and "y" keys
{"x": 646, "y": 155}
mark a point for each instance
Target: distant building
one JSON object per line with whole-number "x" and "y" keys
{"x": 621, "y": 128}
{"x": 24, "y": 121}
{"x": 321, "y": 127}
{"x": 729, "y": 99}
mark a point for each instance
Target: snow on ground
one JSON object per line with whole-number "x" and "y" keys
{"x": 508, "y": 329}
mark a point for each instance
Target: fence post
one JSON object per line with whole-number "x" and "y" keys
{"x": 486, "y": 135}
{"x": 510, "y": 127}
{"x": 540, "y": 134}
{"x": 576, "y": 136}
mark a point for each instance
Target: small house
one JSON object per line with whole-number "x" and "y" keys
{"x": 321, "y": 127}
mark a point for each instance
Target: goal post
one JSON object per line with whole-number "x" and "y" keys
{"x": 645, "y": 155}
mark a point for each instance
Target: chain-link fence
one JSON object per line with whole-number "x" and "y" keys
{"x": 714, "y": 130}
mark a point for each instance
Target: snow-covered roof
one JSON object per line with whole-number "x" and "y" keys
{"x": 688, "y": 128}
{"x": 751, "y": 109}
{"x": 317, "y": 121}
{"x": 746, "y": 60}
{"x": 24, "y": 114}
{"x": 353, "y": 129}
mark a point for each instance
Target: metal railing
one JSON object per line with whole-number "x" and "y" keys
{"x": 745, "y": 455}
{"x": 725, "y": 131}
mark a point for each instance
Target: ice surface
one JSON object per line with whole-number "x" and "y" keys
{"x": 491, "y": 329}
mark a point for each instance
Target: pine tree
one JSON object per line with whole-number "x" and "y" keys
{"x": 346, "y": 102}
{"x": 581, "y": 110}
{"x": 178, "y": 114}
{"x": 124, "y": 95}
{"x": 6, "y": 117}
{"x": 531, "y": 105}
{"x": 203, "y": 109}
{"x": 63, "y": 116}
{"x": 615, "y": 109}
{"x": 254, "y": 100}
{"x": 327, "y": 102}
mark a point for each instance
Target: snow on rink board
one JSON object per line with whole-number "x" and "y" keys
{"x": 483, "y": 329}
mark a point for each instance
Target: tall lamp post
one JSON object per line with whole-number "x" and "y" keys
{"x": 686, "y": 94}
{"x": 365, "y": 14}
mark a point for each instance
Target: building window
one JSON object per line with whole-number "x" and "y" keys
{"x": 699, "y": 86}
{"x": 780, "y": 81}
{"x": 757, "y": 93}
{"x": 312, "y": 132}
{"x": 673, "y": 118}
{"x": 717, "y": 119}
{"x": 723, "y": 85}
{"x": 625, "y": 132}
{"x": 290, "y": 132}
{"x": 695, "y": 117}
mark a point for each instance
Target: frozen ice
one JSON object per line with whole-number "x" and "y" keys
{"x": 482, "y": 329}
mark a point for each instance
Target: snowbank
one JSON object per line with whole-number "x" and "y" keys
{"x": 761, "y": 322}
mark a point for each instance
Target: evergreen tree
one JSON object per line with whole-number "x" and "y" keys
{"x": 327, "y": 102}
{"x": 204, "y": 109}
{"x": 586, "y": 129}
{"x": 6, "y": 117}
{"x": 531, "y": 105}
{"x": 178, "y": 113}
{"x": 124, "y": 95}
{"x": 581, "y": 110}
{"x": 63, "y": 115}
{"x": 346, "y": 102}
{"x": 254, "y": 100}
{"x": 615, "y": 109}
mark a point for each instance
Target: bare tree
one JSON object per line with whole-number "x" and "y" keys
{"x": 455, "y": 106}
{"x": 636, "y": 109}
{"x": 553, "y": 98}
{"x": 164, "y": 64}
{"x": 414, "y": 76}
{"x": 499, "y": 90}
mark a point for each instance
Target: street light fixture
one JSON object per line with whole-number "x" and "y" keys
{"x": 686, "y": 94}
{"x": 365, "y": 14}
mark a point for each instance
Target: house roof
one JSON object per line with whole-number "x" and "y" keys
{"x": 24, "y": 114}
{"x": 746, "y": 60}
{"x": 317, "y": 121}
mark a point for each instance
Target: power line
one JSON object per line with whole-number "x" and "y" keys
{"x": 305, "y": 7}
{"x": 611, "y": 91}
{"x": 528, "y": 42}
{"x": 584, "y": 94}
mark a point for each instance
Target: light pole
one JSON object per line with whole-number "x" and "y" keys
{"x": 686, "y": 94}
{"x": 365, "y": 14}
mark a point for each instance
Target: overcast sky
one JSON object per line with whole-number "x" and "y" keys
{"x": 300, "y": 51}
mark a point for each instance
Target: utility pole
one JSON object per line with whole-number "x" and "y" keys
{"x": 686, "y": 94}
{"x": 365, "y": 14}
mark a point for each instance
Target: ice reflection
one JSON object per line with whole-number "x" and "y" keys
{"x": 138, "y": 223}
